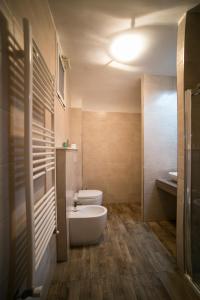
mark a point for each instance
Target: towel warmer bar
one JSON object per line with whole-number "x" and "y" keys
{"x": 39, "y": 155}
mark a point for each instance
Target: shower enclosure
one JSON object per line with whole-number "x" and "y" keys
{"x": 192, "y": 186}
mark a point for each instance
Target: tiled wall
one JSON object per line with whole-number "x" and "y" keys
{"x": 112, "y": 155}
{"x": 76, "y": 123}
{"x": 159, "y": 121}
{"x": 11, "y": 161}
{"x": 44, "y": 32}
{"x": 4, "y": 196}
{"x": 67, "y": 185}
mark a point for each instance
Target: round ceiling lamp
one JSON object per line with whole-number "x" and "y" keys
{"x": 127, "y": 47}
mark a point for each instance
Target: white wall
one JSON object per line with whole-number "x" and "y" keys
{"x": 159, "y": 115}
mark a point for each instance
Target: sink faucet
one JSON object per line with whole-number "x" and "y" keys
{"x": 75, "y": 204}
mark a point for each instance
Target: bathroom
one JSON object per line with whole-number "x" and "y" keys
{"x": 91, "y": 206}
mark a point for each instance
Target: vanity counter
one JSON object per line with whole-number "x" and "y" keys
{"x": 166, "y": 185}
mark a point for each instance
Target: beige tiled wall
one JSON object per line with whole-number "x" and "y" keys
{"x": 44, "y": 33}
{"x": 112, "y": 155}
{"x": 76, "y": 116}
{"x": 67, "y": 185}
{"x": 159, "y": 110}
{"x": 11, "y": 163}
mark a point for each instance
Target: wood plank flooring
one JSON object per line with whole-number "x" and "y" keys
{"x": 130, "y": 263}
{"x": 166, "y": 232}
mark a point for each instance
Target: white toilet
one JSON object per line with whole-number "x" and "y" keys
{"x": 89, "y": 197}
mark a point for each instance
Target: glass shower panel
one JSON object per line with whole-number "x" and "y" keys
{"x": 192, "y": 189}
{"x": 195, "y": 187}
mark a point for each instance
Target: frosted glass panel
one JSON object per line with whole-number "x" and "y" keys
{"x": 192, "y": 186}
{"x": 195, "y": 186}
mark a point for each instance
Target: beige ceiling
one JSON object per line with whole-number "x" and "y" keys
{"x": 85, "y": 29}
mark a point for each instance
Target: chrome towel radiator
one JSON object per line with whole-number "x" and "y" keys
{"x": 39, "y": 155}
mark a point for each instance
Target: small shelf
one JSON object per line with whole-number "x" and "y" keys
{"x": 67, "y": 149}
{"x": 167, "y": 185}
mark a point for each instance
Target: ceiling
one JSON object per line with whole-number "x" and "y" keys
{"x": 85, "y": 29}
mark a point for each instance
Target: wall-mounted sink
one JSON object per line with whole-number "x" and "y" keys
{"x": 173, "y": 176}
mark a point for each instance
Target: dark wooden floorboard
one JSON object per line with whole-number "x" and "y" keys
{"x": 129, "y": 263}
{"x": 166, "y": 232}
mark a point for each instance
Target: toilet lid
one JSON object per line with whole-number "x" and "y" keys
{"x": 89, "y": 193}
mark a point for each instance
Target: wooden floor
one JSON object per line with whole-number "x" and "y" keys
{"x": 130, "y": 263}
{"x": 166, "y": 232}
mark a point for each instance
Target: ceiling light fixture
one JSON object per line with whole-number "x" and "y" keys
{"x": 126, "y": 47}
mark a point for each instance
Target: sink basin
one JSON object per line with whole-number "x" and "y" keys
{"x": 173, "y": 176}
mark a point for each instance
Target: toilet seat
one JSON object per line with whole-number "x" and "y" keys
{"x": 82, "y": 194}
{"x": 87, "y": 197}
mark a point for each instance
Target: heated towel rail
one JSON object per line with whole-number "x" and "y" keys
{"x": 39, "y": 154}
